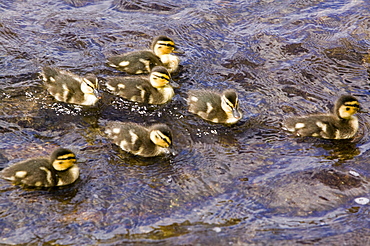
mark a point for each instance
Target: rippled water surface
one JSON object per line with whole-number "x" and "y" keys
{"x": 248, "y": 184}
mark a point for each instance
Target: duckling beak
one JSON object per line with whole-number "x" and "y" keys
{"x": 178, "y": 51}
{"x": 97, "y": 94}
{"x": 172, "y": 152}
{"x": 361, "y": 110}
{"x": 174, "y": 84}
{"x": 236, "y": 113}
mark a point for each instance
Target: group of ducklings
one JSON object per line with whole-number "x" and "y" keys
{"x": 156, "y": 88}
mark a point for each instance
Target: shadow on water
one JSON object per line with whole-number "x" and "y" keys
{"x": 247, "y": 184}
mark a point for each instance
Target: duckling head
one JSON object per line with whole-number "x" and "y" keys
{"x": 162, "y": 45}
{"x": 63, "y": 159}
{"x": 346, "y": 106}
{"x": 230, "y": 104}
{"x": 161, "y": 135}
{"x": 160, "y": 77}
{"x": 90, "y": 85}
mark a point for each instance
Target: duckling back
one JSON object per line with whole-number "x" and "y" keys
{"x": 42, "y": 172}
{"x": 32, "y": 173}
{"x": 68, "y": 87}
{"x": 323, "y": 126}
{"x": 154, "y": 89}
{"x": 136, "y": 62}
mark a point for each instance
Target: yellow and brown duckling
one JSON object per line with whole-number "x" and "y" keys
{"x": 217, "y": 108}
{"x": 341, "y": 124}
{"x": 67, "y": 87}
{"x": 59, "y": 170}
{"x": 155, "y": 89}
{"x": 139, "y": 140}
{"x": 139, "y": 62}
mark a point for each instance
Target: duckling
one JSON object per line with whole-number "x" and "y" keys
{"x": 139, "y": 62}
{"x": 156, "y": 89}
{"x": 70, "y": 88}
{"x": 163, "y": 47}
{"x": 59, "y": 170}
{"x": 342, "y": 124}
{"x": 217, "y": 108}
{"x": 139, "y": 140}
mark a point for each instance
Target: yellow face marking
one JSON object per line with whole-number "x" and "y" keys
{"x": 88, "y": 87}
{"x": 164, "y": 47}
{"x": 158, "y": 138}
{"x": 64, "y": 162}
{"x": 159, "y": 79}
{"x": 227, "y": 106}
{"x": 348, "y": 109}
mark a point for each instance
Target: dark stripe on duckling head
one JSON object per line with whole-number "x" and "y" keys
{"x": 232, "y": 98}
{"x": 63, "y": 159}
{"x": 354, "y": 104}
{"x": 162, "y": 70}
{"x": 163, "y": 40}
{"x": 163, "y": 132}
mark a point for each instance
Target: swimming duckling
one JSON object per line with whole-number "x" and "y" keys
{"x": 139, "y": 140}
{"x": 138, "y": 62}
{"x": 153, "y": 90}
{"x": 339, "y": 125}
{"x": 59, "y": 170}
{"x": 217, "y": 108}
{"x": 70, "y": 88}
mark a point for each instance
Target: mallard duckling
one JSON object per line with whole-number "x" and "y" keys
{"x": 156, "y": 89}
{"x": 139, "y": 140}
{"x": 339, "y": 125}
{"x": 217, "y": 108}
{"x": 70, "y": 88}
{"x": 163, "y": 47}
{"x": 59, "y": 170}
{"x": 138, "y": 62}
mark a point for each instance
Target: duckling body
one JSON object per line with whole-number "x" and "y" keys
{"x": 139, "y": 62}
{"x": 136, "y": 62}
{"x": 342, "y": 124}
{"x": 59, "y": 170}
{"x": 217, "y": 108}
{"x": 153, "y": 90}
{"x": 139, "y": 140}
{"x": 67, "y": 87}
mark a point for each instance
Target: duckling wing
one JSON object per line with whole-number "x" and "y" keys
{"x": 207, "y": 105}
{"x": 137, "y": 62}
{"x": 134, "y": 89}
{"x": 130, "y": 137}
{"x": 313, "y": 126}
{"x": 64, "y": 86}
{"x": 33, "y": 173}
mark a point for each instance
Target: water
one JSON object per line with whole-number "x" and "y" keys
{"x": 248, "y": 184}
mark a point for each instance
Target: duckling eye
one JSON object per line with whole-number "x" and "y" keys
{"x": 347, "y": 109}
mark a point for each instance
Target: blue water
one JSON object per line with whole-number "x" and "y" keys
{"x": 248, "y": 184}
